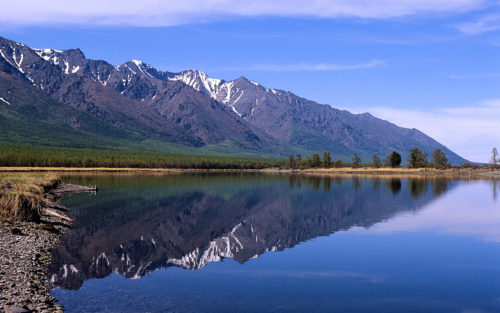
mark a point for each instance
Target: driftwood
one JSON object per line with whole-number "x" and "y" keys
{"x": 70, "y": 188}
{"x": 55, "y": 193}
{"x": 57, "y": 207}
{"x": 54, "y": 213}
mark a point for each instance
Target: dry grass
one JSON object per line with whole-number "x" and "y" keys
{"x": 13, "y": 169}
{"x": 462, "y": 173}
{"x": 376, "y": 170}
{"x": 22, "y": 195}
{"x": 397, "y": 170}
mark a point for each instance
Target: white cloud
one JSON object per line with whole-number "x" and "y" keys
{"x": 469, "y": 131}
{"x": 163, "y": 13}
{"x": 305, "y": 67}
{"x": 487, "y": 23}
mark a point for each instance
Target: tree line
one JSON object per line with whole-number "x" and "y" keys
{"x": 417, "y": 159}
{"x": 38, "y": 156}
{"x": 27, "y": 155}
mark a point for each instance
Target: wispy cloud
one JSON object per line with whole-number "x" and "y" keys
{"x": 484, "y": 24}
{"x": 494, "y": 103}
{"x": 161, "y": 13}
{"x": 470, "y": 131}
{"x": 476, "y": 76}
{"x": 297, "y": 67}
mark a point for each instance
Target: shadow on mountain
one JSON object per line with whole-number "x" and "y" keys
{"x": 139, "y": 223}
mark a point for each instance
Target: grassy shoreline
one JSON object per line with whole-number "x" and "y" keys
{"x": 403, "y": 170}
{"x": 23, "y": 196}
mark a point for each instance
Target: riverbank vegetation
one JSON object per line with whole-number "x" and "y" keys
{"x": 417, "y": 159}
{"x": 28, "y": 158}
{"x": 22, "y": 195}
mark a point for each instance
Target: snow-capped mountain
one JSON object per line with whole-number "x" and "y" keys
{"x": 133, "y": 97}
{"x": 193, "y": 109}
{"x": 227, "y": 92}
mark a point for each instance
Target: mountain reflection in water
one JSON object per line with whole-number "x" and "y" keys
{"x": 138, "y": 223}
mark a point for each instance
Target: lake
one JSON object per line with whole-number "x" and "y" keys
{"x": 250, "y": 242}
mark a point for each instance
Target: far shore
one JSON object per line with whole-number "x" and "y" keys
{"x": 494, "y": 173}
{"x": 118, "y": 169}
{"x": 482, "y": 171}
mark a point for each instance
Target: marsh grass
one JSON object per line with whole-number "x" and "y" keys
{"x": 22, "y": 195}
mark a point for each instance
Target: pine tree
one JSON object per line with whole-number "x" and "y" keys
{"x": 376, "y": 161}
{"x": 316, "y": 161}
{"x": 356, "y": 160}
{"x": 494, "y": 156}
{"x": 417, "y": 158}
{"x": 327, "y": 159}
{"x": 439, "y": 159}
{"x": 393, "y": 159}
{"x": 291, "y": 161}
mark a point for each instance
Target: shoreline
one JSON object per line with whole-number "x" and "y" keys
{"x": 115, "y": 170}
{"x": 454, "y": 172}
{"x": 369, "y": 171}
{"x": 26, "y": 254}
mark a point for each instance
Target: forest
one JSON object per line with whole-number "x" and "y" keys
{"x": 39, "y": 156}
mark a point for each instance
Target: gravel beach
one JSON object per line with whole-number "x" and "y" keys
{"x": 25, "y": 252}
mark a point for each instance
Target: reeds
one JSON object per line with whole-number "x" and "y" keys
{"x": 22, "y": 196}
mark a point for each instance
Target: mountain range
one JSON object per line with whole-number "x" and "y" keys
{"x": 61, "y": 98}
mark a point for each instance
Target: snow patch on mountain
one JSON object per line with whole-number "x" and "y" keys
{"x": 50, "y": 55}
{"x": 142, "y": 67}
{"x": 4, "y": 101}
{"x": 137, "y": 63}
{"x": 217, "y": 89}
{"x": 6, "y": 59}
{"x": 199, "y": 81}
{"x": 66, "y": 69}
{"x": 18, "y": 63}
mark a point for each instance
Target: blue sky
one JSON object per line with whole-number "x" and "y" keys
{"x": 432, "y": 66}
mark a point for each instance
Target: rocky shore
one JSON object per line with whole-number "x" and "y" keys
{"x": 25, "y": 249}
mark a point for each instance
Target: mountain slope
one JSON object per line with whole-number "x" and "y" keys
{"x": 30, "y": 116}
{"x": 304, "y": 123}
{"x": 173, "y": 103}
{"x": 194, "y": 110}
{"x": 90, "y": 97}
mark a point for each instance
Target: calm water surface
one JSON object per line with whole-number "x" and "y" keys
{"x": 277, "y": 243}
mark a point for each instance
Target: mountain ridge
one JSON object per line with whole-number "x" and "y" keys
{"x": 190, "y": 108}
